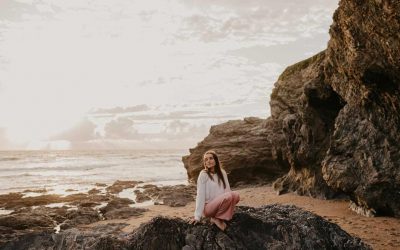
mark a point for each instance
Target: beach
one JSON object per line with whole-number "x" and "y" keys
{"x": 378, "y": 232}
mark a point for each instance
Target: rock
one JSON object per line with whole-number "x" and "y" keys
{"x": 15, "y": 200}
{"x": 84, "y": 215}
{"x": 340, "y": 111}
{"x": 245, "y": 149}
{"x": 100, "y": 237}
{"x": 118, "y": 208}
{"x": 116, "y": 203}
{"x": 94, "y": 191}
{"x": 141, "y": 197}
{"x": 124, "y": 213}
{"x": 118, "y": 186}
{"x": 173, "y": 196}
{"x": 25, "y": 221}
{"x": 267, "y": 227}
{"x": 363, "y": 67}
{"x": 306, "y": 108}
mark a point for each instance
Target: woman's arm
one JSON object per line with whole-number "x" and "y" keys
{"x": 201, "y": 195}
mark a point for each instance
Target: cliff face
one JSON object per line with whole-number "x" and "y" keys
{"x": 306, "y": 108}
{"x": 363, "y": 67}
{"x": 335, "y": 116}
{"x": 343, "y": 137}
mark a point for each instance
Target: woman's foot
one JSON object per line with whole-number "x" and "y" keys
{"x": 219, "y": 223}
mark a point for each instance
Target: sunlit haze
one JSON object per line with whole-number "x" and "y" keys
{"x": 154, "y": 74}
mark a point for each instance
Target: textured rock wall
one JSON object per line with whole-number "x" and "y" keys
{"x": 306, "y": 107}
{"x": 342, "y": 131}
{"x": 363, "y": 67}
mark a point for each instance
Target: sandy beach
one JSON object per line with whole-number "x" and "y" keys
{"x": 379, "y": 232}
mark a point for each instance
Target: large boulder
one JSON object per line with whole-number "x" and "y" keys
{"x": 245, "y": 149}
{"x": 267, "y": 227}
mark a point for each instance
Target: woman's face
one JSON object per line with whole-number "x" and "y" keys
{"x": 209, "y": 161}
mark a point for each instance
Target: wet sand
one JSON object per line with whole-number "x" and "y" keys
{"x": 379, "y": 232}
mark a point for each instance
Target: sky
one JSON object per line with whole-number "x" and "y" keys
{"x": 154, "y": 74}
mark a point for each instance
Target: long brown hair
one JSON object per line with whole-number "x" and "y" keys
{"x": 217, "y": 168}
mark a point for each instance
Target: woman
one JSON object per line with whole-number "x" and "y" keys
{"x": 214, "y": 196}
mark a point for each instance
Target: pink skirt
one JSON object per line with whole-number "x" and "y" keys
{"x": 222, "y": 206}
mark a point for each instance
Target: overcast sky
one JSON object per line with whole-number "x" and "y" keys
{"x": 125, "y": 74}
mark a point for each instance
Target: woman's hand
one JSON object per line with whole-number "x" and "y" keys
{"x": 193, "y": 221}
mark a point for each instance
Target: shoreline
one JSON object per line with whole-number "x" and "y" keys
{"x": 179, "y": 201}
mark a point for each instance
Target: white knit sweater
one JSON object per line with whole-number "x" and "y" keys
{"x": 208, "y": 189}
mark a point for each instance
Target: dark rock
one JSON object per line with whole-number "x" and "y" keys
{"x": 268, "y": 227}
{"x": 16, "y": 200}
{"x": 340, "y": 111}
{"x": 83, "y": 215}
{"x": 25, "y": 221}
{"x": 104, "y": 237}
{"x": 124, "y": 213}
{"x": 118, "y": 186}
{"x": 116, "y": 203}
{"x": 94, "y": 191}
{"x": 141, "y": 197}
{"x": 297, "y": 104}
{"x": 173, "y": 196}
{"x": 245, "y": 149}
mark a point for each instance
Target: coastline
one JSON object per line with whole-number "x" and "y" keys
{"x": 178, "y": 201}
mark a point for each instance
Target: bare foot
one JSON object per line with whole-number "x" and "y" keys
{"x": 219, "y": 223}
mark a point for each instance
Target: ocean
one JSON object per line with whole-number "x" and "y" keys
{"x": 58, "y": 171}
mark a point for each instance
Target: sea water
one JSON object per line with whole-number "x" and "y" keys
{"x": 58, "y": 171}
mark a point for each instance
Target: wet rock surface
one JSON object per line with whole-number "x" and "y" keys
{"x": 47, "y": 212}
{"x": 268, "y": 227}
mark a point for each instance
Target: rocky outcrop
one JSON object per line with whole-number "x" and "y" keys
{"x": 306, "y": 108}
{"x": 363, "y": 67}
{"x": 340, "y": 111}
{"x": 245, "y": 149}
{"x": 268, "y": 227}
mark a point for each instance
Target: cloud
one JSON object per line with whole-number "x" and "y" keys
{"x": 259, "y": 21}
{"x": 83, "y": 131}
{"x": 178, "y": 129}
{"x": 121, "y": 128}
{"x": 284, "y": 54}
{"x": 121, "y": 110}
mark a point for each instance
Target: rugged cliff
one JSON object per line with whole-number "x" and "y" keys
{"x": 336, "y": 115}
{"x": 342, "y": 132}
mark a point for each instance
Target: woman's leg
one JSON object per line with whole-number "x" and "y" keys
{"x": 222, "y": 207}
